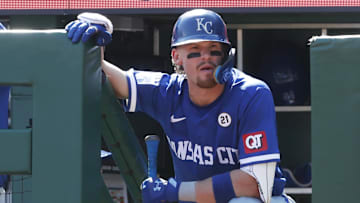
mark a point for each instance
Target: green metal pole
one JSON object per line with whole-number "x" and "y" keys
{"x": 122, "y": 142}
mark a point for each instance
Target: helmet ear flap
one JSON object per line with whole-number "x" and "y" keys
{"x": 226, "y": 49}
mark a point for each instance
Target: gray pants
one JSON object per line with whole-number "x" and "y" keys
{"x": 275, "y": 199}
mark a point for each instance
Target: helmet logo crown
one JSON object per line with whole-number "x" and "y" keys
{"x": 206, "y": 26}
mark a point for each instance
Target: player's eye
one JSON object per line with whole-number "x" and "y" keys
{"x": 216, "y": 53}
{"x": 193, "y": 55}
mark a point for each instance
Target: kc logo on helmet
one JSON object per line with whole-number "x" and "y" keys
{"x": 206, "y": 26}
{"x": 255, "y": 142}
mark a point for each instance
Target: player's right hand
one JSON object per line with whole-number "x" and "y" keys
{"x": 156, "y": 190}
{"x": 279, "y": 183}
{"x": 90, "y": 25}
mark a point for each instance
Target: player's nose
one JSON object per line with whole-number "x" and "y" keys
{"x": 205, "y": 55}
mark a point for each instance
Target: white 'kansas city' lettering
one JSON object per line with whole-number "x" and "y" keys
{"x": 203, "y": 155}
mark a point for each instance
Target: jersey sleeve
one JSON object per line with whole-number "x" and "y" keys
{"x": 147, "y": 91}
{"x": 258, "y": 139}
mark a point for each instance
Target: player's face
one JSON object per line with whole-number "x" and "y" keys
{"x": 199, "y": 61}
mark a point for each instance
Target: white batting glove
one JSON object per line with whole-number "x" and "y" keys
{"x": 89, "y": 25}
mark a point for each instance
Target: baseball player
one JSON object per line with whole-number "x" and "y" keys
{"x": 219, "y": 122}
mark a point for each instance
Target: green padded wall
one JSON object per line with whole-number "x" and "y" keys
{"x": 64, "y": 159}
{"x": 21, "y": 113}
{"x": 335, "y": 118}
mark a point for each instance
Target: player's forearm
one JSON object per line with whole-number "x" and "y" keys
{"x": 244, "y": 184}
{"x": 203, "y": 191}
{"x": 117, "y": 78}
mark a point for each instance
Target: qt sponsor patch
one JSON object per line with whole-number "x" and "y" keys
{"x": 255, "y": 142}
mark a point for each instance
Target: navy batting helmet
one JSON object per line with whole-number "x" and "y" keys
{"x": 199, "y": 25}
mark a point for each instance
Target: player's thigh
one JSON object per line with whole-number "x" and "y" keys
{"x": 274, "y": 199}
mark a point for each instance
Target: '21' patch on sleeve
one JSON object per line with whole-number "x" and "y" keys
{"x": 255, "y": 142}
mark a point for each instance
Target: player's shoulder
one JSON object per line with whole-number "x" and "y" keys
{"x": 171, "y": 83}
{"x": 177, "y": 79}
{"x": 154, "y": 78}
{"x": 247, "y": 83}
{"x": 146, "y": 77}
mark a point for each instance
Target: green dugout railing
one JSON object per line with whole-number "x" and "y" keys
{"x": 59, "y": 150}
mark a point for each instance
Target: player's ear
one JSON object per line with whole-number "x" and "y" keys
{"x": 176, "y": 57}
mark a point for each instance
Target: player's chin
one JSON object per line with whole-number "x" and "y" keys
{"x": 207, "y": 83}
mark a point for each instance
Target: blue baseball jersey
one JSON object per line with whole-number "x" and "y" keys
{"x": 236, "y": 130}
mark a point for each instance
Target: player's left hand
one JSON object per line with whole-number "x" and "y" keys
{"x": 160, "y": 190}
{"x": 90, "y": 25}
